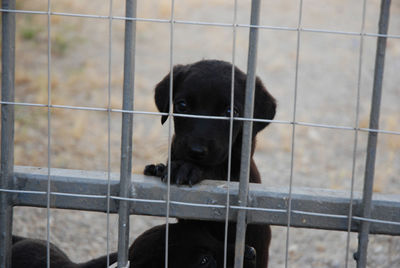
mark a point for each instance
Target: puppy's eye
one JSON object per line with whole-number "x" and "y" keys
{"x": 181, "y": 106}
{"x": 204, "y": 260}
{"x": 235, "y": 112}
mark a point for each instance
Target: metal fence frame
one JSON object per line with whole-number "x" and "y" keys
{"x": 140, "y": 195}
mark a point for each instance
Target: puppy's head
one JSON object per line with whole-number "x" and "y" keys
{"x": 204, "y": 88}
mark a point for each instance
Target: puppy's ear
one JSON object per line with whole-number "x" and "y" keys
{"x": 264, "y": 106}
{"x": 161, "y": 94}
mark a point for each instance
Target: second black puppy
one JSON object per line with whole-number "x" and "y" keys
{"x": 190, "y": 245}
{"x": 200, "y": 147}
{"x": 32, "y": 253}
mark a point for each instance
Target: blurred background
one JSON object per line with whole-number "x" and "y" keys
{"x": 326, "y": 94}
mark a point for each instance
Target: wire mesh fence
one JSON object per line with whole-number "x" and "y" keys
{"x": 109, "y": 191}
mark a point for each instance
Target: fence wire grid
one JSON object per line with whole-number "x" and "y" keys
{"x": 125, "y": 193}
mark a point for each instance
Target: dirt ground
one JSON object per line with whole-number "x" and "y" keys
{"x": 326, "y": 94}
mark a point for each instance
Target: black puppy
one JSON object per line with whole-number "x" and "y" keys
{"x": 200, "y": 146}
{"x": 190, "y": 245}
{"x": 32, "y": 253}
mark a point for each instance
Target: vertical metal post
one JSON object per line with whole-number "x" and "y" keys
{"x": 228, "y": 178}
{"x": 361, "y": 255}
{"x": 126, "y": 137}
{"x": 7, "y": 129}
{"x": 48, "y": 196}
{"x": 356, "y": 125}
{"x": 109, "y": 130}
{"x": 247, "y": 133}
{"x": 170, "y": 126}
{"x": 296, "y": 84}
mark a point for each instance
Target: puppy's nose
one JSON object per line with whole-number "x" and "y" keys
{"x": 249, "y": 253}
{"x": 198, "y": 152}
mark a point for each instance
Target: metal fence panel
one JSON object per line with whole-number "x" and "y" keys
{"x": 210, "y": 200}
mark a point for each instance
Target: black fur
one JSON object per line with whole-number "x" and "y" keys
{"x": 190, "y": 245}
{"x": 32, "y": 253}
{"x": 200, "y": 146}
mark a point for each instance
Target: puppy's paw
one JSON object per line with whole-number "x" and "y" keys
{"x": 189, "y": 174}
{"x": 183, "y": 173}
{"x": 155, "y": 170}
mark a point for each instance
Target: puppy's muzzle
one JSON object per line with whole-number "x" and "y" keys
{"x": 198, "y": 152}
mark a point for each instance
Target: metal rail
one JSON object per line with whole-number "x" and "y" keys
{"x": 311, "y": 208}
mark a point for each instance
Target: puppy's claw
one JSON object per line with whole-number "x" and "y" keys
{"x": 164, "y": 178}
{"x": 195, "y": 176}
{"x": 159, "y": 169}
{"x": 180, "y": 180}
{"x": 181, "y": 173}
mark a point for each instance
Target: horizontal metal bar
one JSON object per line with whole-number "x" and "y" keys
{"x": 76, "y": 187}
{"x": 203, "y": 23}
{"x": 311, "y": 207}
{"x": 283, "y": 122}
